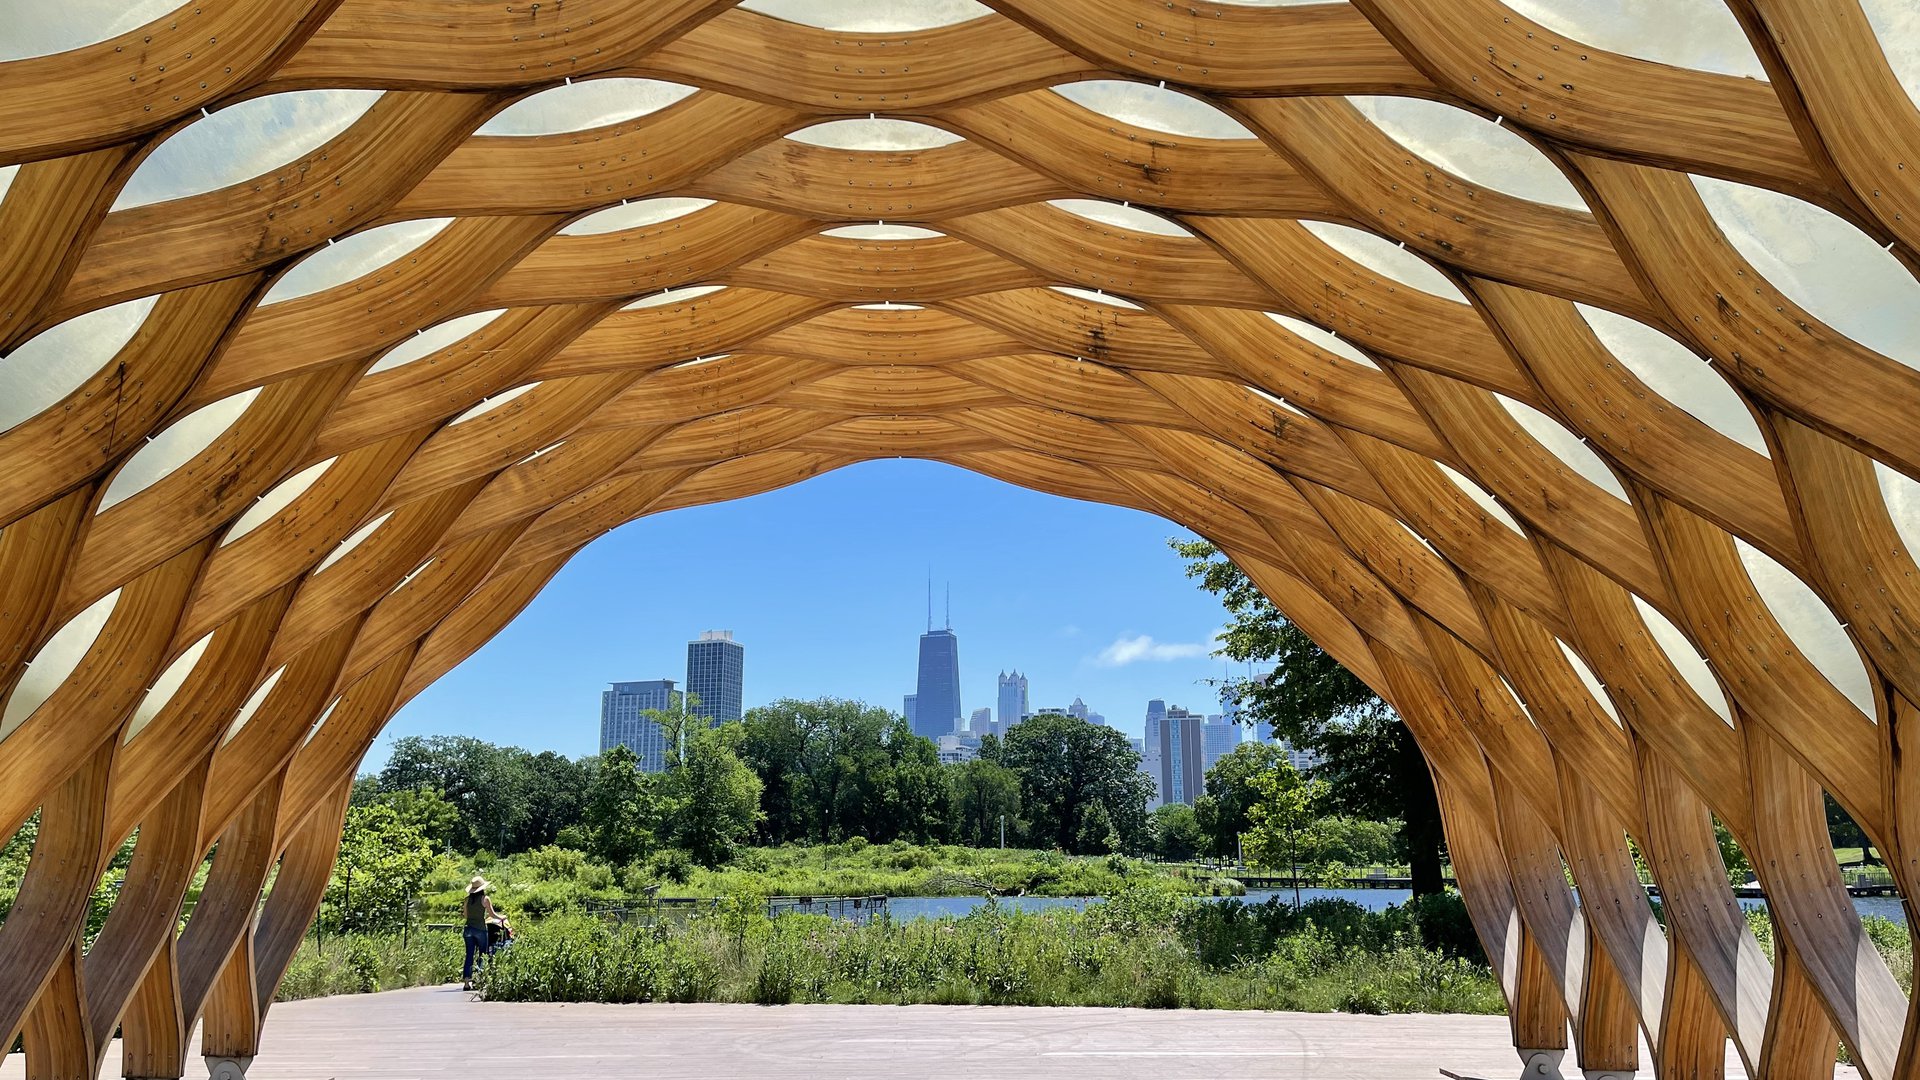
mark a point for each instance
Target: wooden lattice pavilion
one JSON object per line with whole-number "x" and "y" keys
{"x": 259, "y": 488}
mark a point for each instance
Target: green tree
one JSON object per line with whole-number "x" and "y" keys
{"x": 713, "y": 798}
{"x": 621, "y": 813}
{"x": 383, "y": 862}
{"x": 1284, "y": 811}
{"x": 984, "y": 794}
{"x": 1371, "y": 765}
{"x": 829, "y": 768}
{"x": 428, "y": 812}
{"x": 1224, "y": 813}
{"x": 1173, "y": 832}
{"x": 1067, "y": 767}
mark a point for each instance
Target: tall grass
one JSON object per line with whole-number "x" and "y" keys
{"x": 1144, "y": 948}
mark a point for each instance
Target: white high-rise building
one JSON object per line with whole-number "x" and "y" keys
{"x": 1012, "y": 701}
{"x": 981, "y": 722}
{"x": 1150, "y": 752}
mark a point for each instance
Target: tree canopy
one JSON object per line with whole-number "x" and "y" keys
{"x": 1370, "y": 763}
{"x": 1080, "y": 784}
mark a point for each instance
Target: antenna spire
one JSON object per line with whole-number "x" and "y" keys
{"x": 929, "y": 599}
{"x": 949, "y": 605}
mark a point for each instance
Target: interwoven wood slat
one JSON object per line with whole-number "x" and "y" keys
{"x": 1333, "y": 497}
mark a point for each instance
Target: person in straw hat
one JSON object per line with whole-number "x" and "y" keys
{"x": 479, "y": 913}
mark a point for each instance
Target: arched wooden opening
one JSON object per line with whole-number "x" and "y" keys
{"x": 1579, "y": 591}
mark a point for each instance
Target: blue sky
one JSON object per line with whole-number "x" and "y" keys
{"x": 825, "y": 585}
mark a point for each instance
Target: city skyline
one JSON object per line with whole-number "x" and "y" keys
{"x": 832, "y": 614}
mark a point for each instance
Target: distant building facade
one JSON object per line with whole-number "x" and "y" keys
{"x": 955, "y": 749}
{"x": 1079, "y": 709}
{"x": 1182, "y": 757}
{"x": 909, "y": 708}
{"x": 1221, "y": 735}
{"x": 1012, "y": 700}
{"x": 981, "y": 722}
{"x": 621, "y": 722}
{"x": 936, "y": 706}
{"x": 716, "y": 666}
{"x": 1150, "y": 753}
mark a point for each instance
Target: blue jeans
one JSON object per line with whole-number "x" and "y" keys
{"x": 476, "y": 947}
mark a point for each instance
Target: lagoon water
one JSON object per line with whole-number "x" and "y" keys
{"x": 934, "y": 907}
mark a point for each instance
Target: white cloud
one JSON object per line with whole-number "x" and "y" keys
{"x": 1127, "y": 650}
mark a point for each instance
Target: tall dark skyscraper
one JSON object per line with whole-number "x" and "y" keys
{"x": 716, "y": 667}
{"x": 933, "y": 709}
{"x": 936, "y": 704}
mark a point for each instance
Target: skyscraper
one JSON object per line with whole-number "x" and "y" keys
{"x": 621, "y": 723}
{"x": 1079, "y": 709}
{"x": 937, "y": 697}
{"x": 907, "y": 707}
{"x": 1182, "y": 757}
{"x": 1221, "y": 736}
{"x": 715, "y": 667}
{"x": 1150, "y": 755}
{"x": 1012, "y": 701}
{"x": 980, "y": 722}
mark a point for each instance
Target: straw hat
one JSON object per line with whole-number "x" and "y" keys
{"x": 478, "y": 884}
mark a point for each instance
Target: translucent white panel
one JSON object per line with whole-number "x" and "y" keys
{"x": 359, "y": 537}
{"x": 1691, "y": 665}
{"x": 886, "y": 305}
{"x": 243, "y": 141}
{"x": 1280, "y": 401}
{"x": 1699, "y": 34}
{"x": 672, "y": 296}
{"x": 29, "y": 28}
{"x": 1902, "y": 494}
{"x": 1417, "y": 536}
{"x": 590, "y": 103}
{"x": 164, "y": 687}
{"x": 7, "y": 173}
{"x": 282, "y": 494}
{"x": 53, "y": 363}
{"x": 1471, "y": 147}
{"x": 1591, "y": 680}
{"x": 634, "y": 215}
{"x": 1897, "y": 24}
{"x": 487, "y": 405}
{"x": 1825, "y": 265}
{"x": 55, "y": 661}
{"x": 874, "y": 133}
{"x": 871, "y": 16}
{"x": 1811, "y": 625}
{"x": 1481, "y": 497}
{"x": 1095, "y": 296}
{"x": 1125, "y": 217}
{"x": 1383, "y": 256}
{"x": 882, "y": 231}
{"x": 1326, "y": 339}
{"x": 175, "y": 447}
{"x": 1676, "y": 373}
{"x": 253, "y": 705}
{"x": 361, "y": 253}
{"x": 410, "y": 575}
{"x": 1153, "y": 107}
{"x": 433, "y": 338}
{"x": 1565, "y": 445}
{"x": 542, "y": 452}
{"x": 320, "y": 723}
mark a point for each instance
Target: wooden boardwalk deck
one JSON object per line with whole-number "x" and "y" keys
{"x": 437, "y": 1033}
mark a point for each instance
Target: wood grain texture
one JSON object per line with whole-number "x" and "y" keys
{"x": 1588, "y": 675}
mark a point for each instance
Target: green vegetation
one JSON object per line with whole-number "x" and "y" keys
{"x": 1371, "y": 765}
{"x": 554, "y": 880}
{"x": 1144, "y": 948}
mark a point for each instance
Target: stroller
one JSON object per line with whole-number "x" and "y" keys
{"x": 499, "y": 934}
